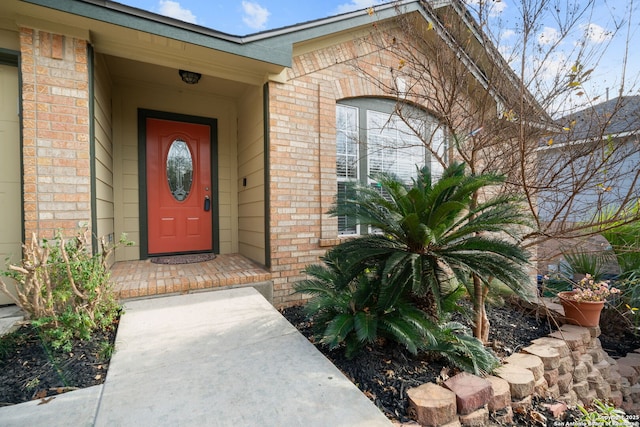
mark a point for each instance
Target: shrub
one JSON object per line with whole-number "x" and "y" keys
{"x": 432, "y": 235}
{"x": 64, "y": 289}
{"x": 582, "y": 263}
{"x": 353, "y": 309}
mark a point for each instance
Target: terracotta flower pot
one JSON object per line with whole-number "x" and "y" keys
{"x": 582, "y": 313}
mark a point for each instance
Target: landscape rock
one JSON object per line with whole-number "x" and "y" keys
{"x": 627, "y": 372}
{"x": 584, "y": 333}
{"x": 540, "y": 387}
{"x": 472, "y": 392}
{"x": 501, "y": 394}
{"x": 551, "y": 375}
{"x": 503, "y": 416}
{"x": 564, "y": 383}
{"x": 566, "y": 365}
{"x": 553, "y": 392}
{"x": 521, "y": 380}
{"x": 478, "y": 418}
{"x": 550, "y": 357}
{"x": 522, "y": 405}
{"x": 573, "y": 340}
{"x": 432, "y": 405}
{"x": 580, "y": 372}
{"x": 527, "y": 361}
{"x": 559, "y": 345}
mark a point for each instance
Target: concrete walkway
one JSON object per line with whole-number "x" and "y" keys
{"x": 10, "y": 317}
{"x": 224, "y": 358}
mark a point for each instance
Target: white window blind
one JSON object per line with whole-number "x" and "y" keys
{"x": 347, "y": 155}
{"x": 393, "y": 147}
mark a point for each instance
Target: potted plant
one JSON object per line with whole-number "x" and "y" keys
{"x": 583, "y": 304}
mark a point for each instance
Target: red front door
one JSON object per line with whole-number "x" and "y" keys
{"x": 179, "y": 190}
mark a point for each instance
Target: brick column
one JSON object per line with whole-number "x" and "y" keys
{"x": 55, "y": 102}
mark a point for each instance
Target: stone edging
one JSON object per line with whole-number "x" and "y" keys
{"x": 569, "y": 366}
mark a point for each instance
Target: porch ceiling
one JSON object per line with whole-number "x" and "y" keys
{"x": 122, "y": 69}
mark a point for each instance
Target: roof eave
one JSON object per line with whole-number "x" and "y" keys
{"x": 137, "y": 19}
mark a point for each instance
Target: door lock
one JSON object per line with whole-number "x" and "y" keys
{"x": 207, "y": 203}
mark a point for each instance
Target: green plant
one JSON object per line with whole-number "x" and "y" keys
{"x": 629, "y": 301}
{"x": 64, "y": 289}
{"x": 463, "y": 350}
{"x": 624, "y": 236}
{"x": 603, "y": 414}
{"x": 432, "y": 235}
{"x": 593, "y": 264}
{"x": 356, "y": 309}
{"x": 588, "y": 289}
{"x": 32, "y": 383}
{"x": 552, "y": 285}
{"x": 106, "y": 350}
{"x": 352, "y": 308}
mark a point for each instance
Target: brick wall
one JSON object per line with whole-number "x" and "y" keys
{"x": 303, "y": 152}
{"x": 55, "y": 97}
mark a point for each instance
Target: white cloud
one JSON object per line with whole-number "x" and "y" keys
{"x": 255, "y": 16}
{"x": 596, "y": 34}
{"x": 548, "y": 36}
{"x": 507, "y": 34}
{"x": 492, "y": 7}
{"x": 173, "y": 9}
{"x": 357, "y": 5}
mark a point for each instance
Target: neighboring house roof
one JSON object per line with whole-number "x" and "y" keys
{"x": 616, "y": 118}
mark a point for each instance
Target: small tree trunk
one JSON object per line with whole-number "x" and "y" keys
{"x": 482, "y": 325}
{"x": 478, "y": 307}
{"x": 484, "y": 336}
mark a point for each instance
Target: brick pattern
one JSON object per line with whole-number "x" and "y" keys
{"x": 55, "y": 99}
{"x": 303, "y": 151}
{"x": 133, "y": 279}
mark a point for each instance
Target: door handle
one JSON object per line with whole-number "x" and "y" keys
{"x": 207, "y": 203}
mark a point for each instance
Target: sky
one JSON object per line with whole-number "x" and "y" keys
{"x": 242, "y": 17}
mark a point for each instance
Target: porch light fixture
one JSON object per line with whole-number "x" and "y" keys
{"x": 189, "y": 77}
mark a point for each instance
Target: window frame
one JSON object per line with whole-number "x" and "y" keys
{"x": 364, "y": 107}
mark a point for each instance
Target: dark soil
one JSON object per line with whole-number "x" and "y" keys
{"x": 30, "y": 369}
{"x": 384, "y": 372}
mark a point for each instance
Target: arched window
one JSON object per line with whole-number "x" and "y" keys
{"x": 371, "y": 138}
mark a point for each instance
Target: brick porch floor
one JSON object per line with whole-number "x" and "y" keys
{"x": 133, "y": 279}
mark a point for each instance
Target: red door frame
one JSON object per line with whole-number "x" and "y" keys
{"x": 143, "y": 115}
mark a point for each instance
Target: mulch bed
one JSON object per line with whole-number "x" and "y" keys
{"x": 385, "y": 372}
{"x": 29, "y": 369}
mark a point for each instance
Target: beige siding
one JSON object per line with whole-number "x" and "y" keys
{"x": 9, "y": 40}
{"x": 128, "y": 98}
{"x": 103, "y": 151}
{"x": 251, "y": 208}
{"x": 10, "y": 199}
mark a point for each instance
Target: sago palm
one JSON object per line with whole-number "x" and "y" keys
{"x": 346, "y": 309}
{"x": 426, "y": 235}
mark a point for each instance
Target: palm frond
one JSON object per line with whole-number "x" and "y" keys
{"x": 337, "y": 330}
{"x": 366, "y": 326}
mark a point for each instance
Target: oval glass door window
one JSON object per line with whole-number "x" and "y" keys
{"x": 179, "y": 169}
